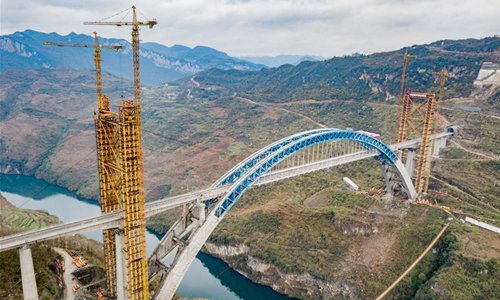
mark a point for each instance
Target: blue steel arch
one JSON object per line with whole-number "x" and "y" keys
{"x": 247, "y": 164}
{"x": 265, "y": 160}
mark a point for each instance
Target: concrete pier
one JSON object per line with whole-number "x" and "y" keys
{"x": 440, "y": 144}
{"x": 121, "y": 291}
{"x": 410, "y": 161}
{"x": 28, "y": 274}
{"x": 388, "y": 178}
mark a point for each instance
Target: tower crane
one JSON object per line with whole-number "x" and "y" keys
{"x": 132, "y": 184}
{"x": 97, "y": 62}
{"x": 405, "y": 108}
{"x": 135, "y": 46}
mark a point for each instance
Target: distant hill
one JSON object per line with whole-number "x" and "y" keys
{"x": 159, "y": 63}
{"x": 369, "y": 77}
{"x": 276, "y": 61}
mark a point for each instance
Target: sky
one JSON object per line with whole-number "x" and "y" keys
{"x": 259, "y": 27}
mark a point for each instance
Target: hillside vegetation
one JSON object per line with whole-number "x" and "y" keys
{"x": 359, "y": 77}
{"x": 46, "y": 130}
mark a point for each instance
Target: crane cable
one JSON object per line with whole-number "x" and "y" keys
{"x": 118, "y": 13}
{"x": 118, "y": 33}
{"x": 414, "y": 263}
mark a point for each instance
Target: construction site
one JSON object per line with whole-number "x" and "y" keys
{"x": 119, "y": 149}
{"x": 131, "y": 274}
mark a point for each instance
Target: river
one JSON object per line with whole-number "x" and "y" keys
{"x": 208, "y": 277}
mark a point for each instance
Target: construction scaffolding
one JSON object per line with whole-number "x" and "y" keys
{"x": 132, "y": 192}
{"x": 442, "y": 74}
{"x": 404, "y": 118}
{"x": 108, "y": 163}
{"x": 417, "y": 118}
{"x": 424, "y": 160}
{"x": 121, "y": 185}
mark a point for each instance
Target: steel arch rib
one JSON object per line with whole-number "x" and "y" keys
{"x": 250, "y": 170}
{"x": 250, "y": 161}
{"x": 245, "y": 182}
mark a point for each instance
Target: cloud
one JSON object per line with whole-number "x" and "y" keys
{"x": 271, "y": 27}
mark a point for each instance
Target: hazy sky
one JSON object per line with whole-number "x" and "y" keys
{"x": 260, "y": 27}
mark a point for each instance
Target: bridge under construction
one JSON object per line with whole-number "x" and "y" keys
{"x": 405, "y": 168}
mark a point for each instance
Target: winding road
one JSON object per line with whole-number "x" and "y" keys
{"x": 69, "y": 267}
{"x": 249, "y": 101}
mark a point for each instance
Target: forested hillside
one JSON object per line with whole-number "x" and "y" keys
{"x": 359, "y": 77}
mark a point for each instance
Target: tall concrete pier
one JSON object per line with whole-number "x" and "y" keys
{"x": 28, "y": 274}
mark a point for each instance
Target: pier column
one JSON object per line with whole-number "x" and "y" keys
{"x": 388, "y": 178}
{"x": 438, "y": 145}
{"x": 410, "y": 161}
{"x": 201, "y": 211}
{"x": 28, "y": 274}
{"x": 121, "y": 291}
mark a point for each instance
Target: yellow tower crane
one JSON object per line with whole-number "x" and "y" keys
{"x": 135, "y": 46}
{"x": 106, "y": 126}
{"x": 406, "y": 57}
{"x": 442, "y": 80}
{"x": 131, "y": 168}
{"x": 405, "y": 108}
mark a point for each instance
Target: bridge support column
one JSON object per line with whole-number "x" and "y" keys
{"x": 388, "y": 178}
{"x": 410, "y": 161}
{"x": 121, "y": 279}
{"x": 28, "y": 274}
{"x": 440, "y": 144}
{"x": 201, "y": 211}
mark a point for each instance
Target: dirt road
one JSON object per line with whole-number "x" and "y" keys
{"x": 69, "y": 267}
{"x": 282, "y": 109}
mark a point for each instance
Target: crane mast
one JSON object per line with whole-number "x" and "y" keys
{"x": 406, "y": 57}
{"x": 129, "y": 148}
{"x": 442, "y": 80}
{"x": 98, "y": 72}
{"x": 406, "y": 101}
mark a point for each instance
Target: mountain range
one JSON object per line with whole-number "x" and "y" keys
{"x": 360, "y": 77}
{"x": 279, "y": 60}
{"x": 159, "y": 63}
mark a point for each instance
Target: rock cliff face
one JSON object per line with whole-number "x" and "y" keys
{"x": 226, "y": 251}
{"x": 268, "y": 274}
